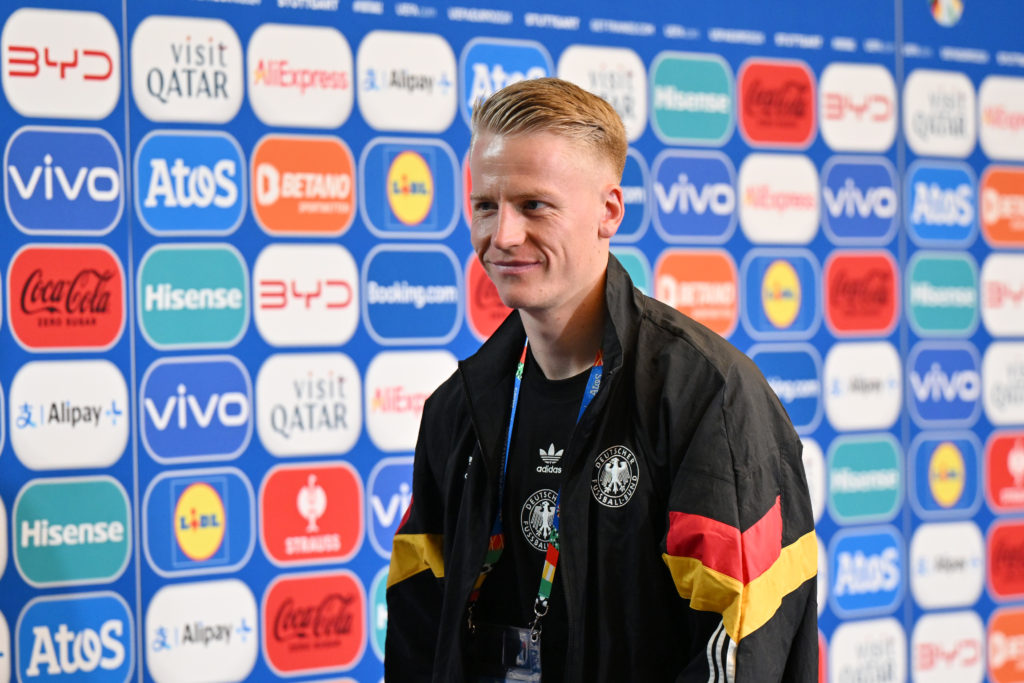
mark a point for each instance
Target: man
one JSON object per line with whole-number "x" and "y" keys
{"x": 655, "y": 523}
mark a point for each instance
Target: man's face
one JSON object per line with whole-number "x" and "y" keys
{"x": 544, "y": 208}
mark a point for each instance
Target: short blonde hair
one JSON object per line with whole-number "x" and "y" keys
{"x": 552, "y": 105}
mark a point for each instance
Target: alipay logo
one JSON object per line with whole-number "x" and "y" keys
{"x": 860, "y": 200}
{"x": 196, "y": 408}
{"x": 82, "y": 637}
{"x": 867, "y": 570}
{"x": 694, "y": 196}
{"x": 944, "y": 384}
{"x": 390, "y": 493}
{"x": 794, "y": 373}
{"x": 190, "y": 183}
{"x": 63, "y": 181}
{"x": 941, "y": 206}
{"x": 489, "y": 64}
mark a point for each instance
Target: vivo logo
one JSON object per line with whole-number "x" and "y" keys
{"x": 938, "y": 385}
{"x": 231, "y": 409}
{"x": 389, "y": 493}
{"x": 695, "y": 196}
{"x": 945, "y": 384}
{"x": 850, "y": 201}
{"x": 684, "y": 196}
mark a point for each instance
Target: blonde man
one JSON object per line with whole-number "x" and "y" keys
{"x": 606, "y": 490}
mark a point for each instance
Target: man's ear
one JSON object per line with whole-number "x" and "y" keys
{"x": 614, "y": 210}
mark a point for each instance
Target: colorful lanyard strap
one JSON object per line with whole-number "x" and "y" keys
{"x": 496, "y": 544}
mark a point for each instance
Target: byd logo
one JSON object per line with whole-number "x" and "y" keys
{"x": 858, "y": 107}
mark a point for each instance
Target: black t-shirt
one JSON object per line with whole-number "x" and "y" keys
{"x": 545, "y": 418}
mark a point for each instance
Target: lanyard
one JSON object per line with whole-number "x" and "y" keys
{"x": 496, "y": 544}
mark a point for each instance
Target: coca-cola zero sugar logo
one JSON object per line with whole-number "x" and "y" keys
{"x": 861, "y": 293}
{"x": 777, "y": 103}
{"x": 63, "y": 297}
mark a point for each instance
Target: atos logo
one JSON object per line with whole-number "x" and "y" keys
{"x": 80, "y": 637}
{"x": 390, "y": 493}
{"x": 948, "y": 647}
{"x": 1002, "y": 206}
{"x": 692, "y": 98}
{"x": 63, "y": 181}
{"x": 700, "y": 284}
{"x": 861, "y": 293}
{"x": 942, "y": 294}
{"x": 1006, "y": 645}
{"x": 489, "y": 64}
{"x": 1005, "y": 559}
{"x": 858, "y": 107}
{"x": 1004, "y": 472}
{"x": 196, "y": 408}
{"x": 867, "y": 571}
{"x": 945, "y": 475}
{"x": 780, "y": 294}
{"x": 190, "y": 183}
{"x": 947, "y": 565}
{"x": 860, "y": 200}
{"x": 865, "y": 479}
{"x": 412, "y": 295}
{"x": 777, "y": 103}
{"x": 794, "y": 373}
{"x": 210, "y": 517}
{"x": 61, "y": 64}
{"x": 636, "y": 181}
{"x": 944, "y": 384}
{"x": 695, "y": 196}
{"x": 484, "y": 309}
{"x": 941, "y": 209}
{"x": 409, "y": 188}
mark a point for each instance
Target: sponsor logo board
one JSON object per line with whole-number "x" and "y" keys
{"x": 299, "y": 76}
{"x": 1006, "y": 645}
{"x": 1005, "y": 560}
{"x": 3, "y": 557}
{"x": 615, "y": 74}
{"x": 5, "y": 641}
{"x": 701, "y": 284}
{"x": 1002, "y": 372}
{"x": 314, "y": 623}
{"x": 66, "y": 298}
{"x": 860, "y": 199}
{"x": 694, "y": 196}
{"x": 939, "y": 113}
{"x": 311, "y": 514}
{"x": 402, "y": 72}
{"x": 867, "y": 567}
{"x": 68, "y": 414}
{"x": 484, "y": 309}
{"x": 871, "y": 650}
{"x": 397, "y": 384}
{"x": 780, "y": 294}
{"x": 948, "y": 647}
{"x": 942, "y": 294}
{"x": 776, "y": 103}
{"x": 636, "y": 266}
{"x": 70, "y": 531}
{"x": 489, "y": 64}
{"x": 306, "y": 294}
{"x": 861, "y": 293}
{"x": 193, "y": 296}
{"x": 636, "y": 179}
{"x": 201, "y": 632}
{"x": 857, "y": 107}
{"x": 190, "y": 183}
{"x": 63, "y": 181}
{"x": 1004, "y": 471}
{"x": 865, "y": 479}
{"x": 862, "y": 385}
{"x": 947, "y": 565}
{"x": 378, "y": 615}
{"x": 1001, "y": 129}
{"x": 61, "y": 64}
{"x": 308, "y": 404}
{"x": 945, "y": 471}
{"x": 1002, "y": 206}
{"x": 186, "y": 69}
{"x": 692, "y": 98}
{"x": 779, "y": 199}
{"x": 198, "y": 522}
{"x": 389, "y": 496}
{"x": 940, "y": 204}
{"x": 1002, "y": 295}
{"x": 944, "y": 384}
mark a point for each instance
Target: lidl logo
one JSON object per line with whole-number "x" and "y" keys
{"x": 1002, "y": 294}
{"x": 857, "y": 107}
{"x": 946, "y": 471}
{"x": 209, "y": 517}
{"x": 1006, "y": 645}
{"x": 193, "y": 296}
{"x": 1005, "y": 556}
{"x": 409, "y": 188}
{"x": 636, "y": 179}
{"x": 389, "y": 495}
{"x": 777, "y": 103}
{"x": 79, "y": 637}
{"x": 700, "y": 284}
{"x": 867, "y": 569}
{"x": 1002, "y": 206}
{"x": 865, "y": 479}
{"x": 794, "y": 373}
{"x": 636, "y": 266}
{"x": 489, "y": 64}
{"x": 311, "y": 514}
{"x": 860, "y": 199}
{"x": 189, "y": 183}
{"x": 780, "y": 294}
{"x": 944, "y": 384}
{"x": 1002, "y": 117}
{"x": 941, "y": 210}
{"x": 397, "y": 385}
{"x": 861, "y": 293}
{"x": 303, "y": 185}
{"x": 947, "y": 564}
{"x": 1004, "y": 471}
{"x": 942, "y": 294}
{"x": 692, "y": 98}
{"x": 484, "y": 308}
{"x": 378, "y": 616}
{"x": 412, "y": 295}
{"x": 616, "y": 75}
{"x": 63, "y": 181}
{"x": 939, "y": 113}
{"x": 695, "y": 196}
{"x": 779, "y": 198}
{"x": 70, "y": 531}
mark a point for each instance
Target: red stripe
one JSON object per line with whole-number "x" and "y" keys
{"x": 722, "y": 547}
{"x": 405, "y": 516}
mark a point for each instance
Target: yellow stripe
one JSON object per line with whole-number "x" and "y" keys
{"x": 549, "y": 571}
{"x": 745, "y": 609}
{"x": 412, "y": 553}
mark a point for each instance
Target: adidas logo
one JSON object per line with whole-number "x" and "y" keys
{"x": 551, "y": 456}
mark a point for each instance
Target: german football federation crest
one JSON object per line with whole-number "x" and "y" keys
{"x": 616, "y": 474}
{"x": 538, "y": 518}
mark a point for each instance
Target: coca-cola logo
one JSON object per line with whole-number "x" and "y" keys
{"x": 66, "y": 298}
{"x": 777, "y": 103}
{"x": 314, "y": 623}
{"x": 1006, "y": 560}
{"x": 784, "y": 103}
{"x": 861, "y": 293}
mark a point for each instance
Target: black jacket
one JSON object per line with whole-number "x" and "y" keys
{"x": 700, "y": 566}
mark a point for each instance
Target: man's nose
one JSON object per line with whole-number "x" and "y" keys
{"x": 509, "y": 231}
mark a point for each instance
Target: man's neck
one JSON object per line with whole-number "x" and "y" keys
{"x": 564, "y": 344}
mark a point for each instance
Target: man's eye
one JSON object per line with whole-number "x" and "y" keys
{"x": 532, "y": 205}
{"x": 483, "y": 207}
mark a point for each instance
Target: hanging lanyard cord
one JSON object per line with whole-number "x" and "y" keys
{"x": 496, "y": 544}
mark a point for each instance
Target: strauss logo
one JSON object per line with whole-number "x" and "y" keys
{"x": 311, "y": 503}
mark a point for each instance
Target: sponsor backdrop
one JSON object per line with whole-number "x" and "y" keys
{"x": 235, "y": 262}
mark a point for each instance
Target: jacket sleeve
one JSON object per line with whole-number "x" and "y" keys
{"x": 740, "y": 541}
{"x": 416, "y": 574}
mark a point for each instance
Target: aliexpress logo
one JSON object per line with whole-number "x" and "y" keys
{"x": 701, "y": 284}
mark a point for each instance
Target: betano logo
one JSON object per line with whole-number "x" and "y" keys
{"x": 860, "y": 199}
{"x": 944, "y": 384}
{"x": 779, "y": 199}
{"x": 1002, "y": 294}
{"x": 1001, "y": 132}
{"x": 692, "y": 98}
{"x": 695, "y": 196}
{"x": 61, "y": 64}
{"x": 865, "y": 479}
{"x": 1002, "y": 206}
{"x": 945, "y": 475}
{"x": 941, "y": 208}
{"x": 942, "y": 294}
{"x": 1004, "y": 471}
{"x": 616, "y": 75}
{"x": 489, "y": 64}
{"x": 777, "y": 103}
{"x": 780, "y": 294}
{"x": 1006, "y": 645}
{"x": 947, "y": 565}
{"x": 193, "y": 296}
{"x": 861, "y": 293}
{"x": 867, "y": 571}
{"x": 63, "y": 181}
{"x": 303, "y": 185}
{"x": 857, "y": 107}
{"x": 397, "y": 384}
{"x": 701, "y": 284}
